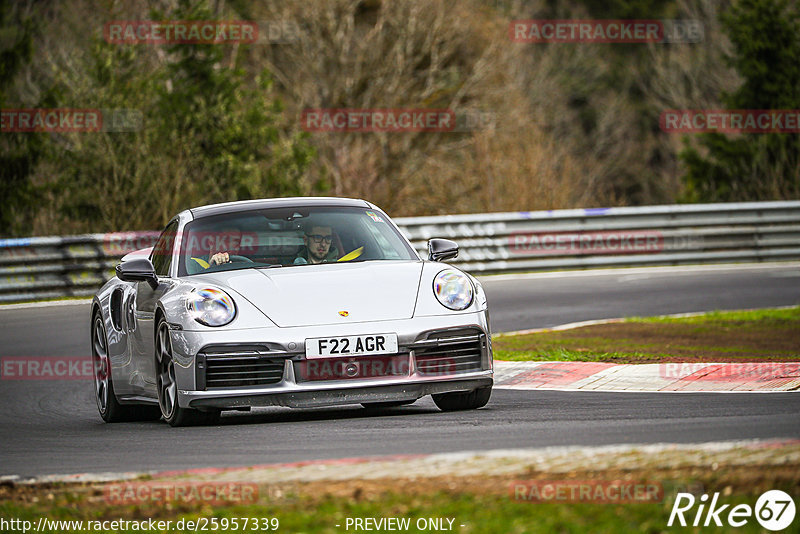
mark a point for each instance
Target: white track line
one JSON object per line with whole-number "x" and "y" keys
{"x": 45, "y": 304}
{"x": 662, "y": 269}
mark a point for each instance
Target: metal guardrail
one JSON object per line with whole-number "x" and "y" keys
{"x": 46, "y": 267}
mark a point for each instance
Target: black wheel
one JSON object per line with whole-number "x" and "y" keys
{"x": 387, "y": 404}
{"x": 451, "y": 402}
{"x": 107, "y": 404}
{"x": 168, "y": 387}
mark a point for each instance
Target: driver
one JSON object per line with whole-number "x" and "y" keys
{"x": 224, "y": 244}
{"x": 318, "y": 247}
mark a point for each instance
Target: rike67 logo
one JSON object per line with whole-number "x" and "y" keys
{"x": 774, "y": 510}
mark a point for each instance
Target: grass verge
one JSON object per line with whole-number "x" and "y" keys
{"x": 475, "y": 504}
{"x": 737, "y": 336}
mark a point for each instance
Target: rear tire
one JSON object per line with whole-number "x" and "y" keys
{"x": 168, "y": 387}
{"x": 453, "y": 402}
{"x": 107, "y": 404}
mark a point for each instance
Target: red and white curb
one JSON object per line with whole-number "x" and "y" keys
{"x": 665, "y": 377}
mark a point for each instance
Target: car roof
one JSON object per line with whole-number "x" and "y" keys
{"x": 288, "y": 202}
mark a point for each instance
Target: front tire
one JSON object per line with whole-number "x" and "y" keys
{"x": 107, "y": 404}
{"x": 472, "y": 400}
{"x": 168, "y": 387}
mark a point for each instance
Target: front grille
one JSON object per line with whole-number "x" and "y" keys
{"x": 239, "y": 372}
{"x": 234, "y": 367}
{"x": 450, "y": 355}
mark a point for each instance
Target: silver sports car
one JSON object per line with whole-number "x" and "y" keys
{"x": 296, "y": 302}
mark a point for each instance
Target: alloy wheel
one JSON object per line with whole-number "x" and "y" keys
{"x": 167, "y": 387}
{"x": 102, "y": 367}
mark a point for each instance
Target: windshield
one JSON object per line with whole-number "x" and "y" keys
{"x": 289, "y": 238}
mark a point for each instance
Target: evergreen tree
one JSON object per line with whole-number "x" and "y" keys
{"x": 766, "y": 42}
{"x": 19, "y": 152}
{"x": 211, "y": 133}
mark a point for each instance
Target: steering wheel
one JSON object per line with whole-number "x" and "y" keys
{"x": 235, "y": 257}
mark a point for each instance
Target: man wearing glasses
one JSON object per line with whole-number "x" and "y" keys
{"x": 318, "y": 247}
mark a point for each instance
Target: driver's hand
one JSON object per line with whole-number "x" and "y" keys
{"x": 219, "y": 258}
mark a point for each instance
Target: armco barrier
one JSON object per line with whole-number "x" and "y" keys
{"x": 44, "y": 267}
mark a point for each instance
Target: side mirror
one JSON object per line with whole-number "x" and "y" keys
{"x": 442, "y": 249}
{"x": 138, "y": 270}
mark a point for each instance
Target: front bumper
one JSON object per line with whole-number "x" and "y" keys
{"x": 438, "y": 354}
{"x": 323, "y": 396}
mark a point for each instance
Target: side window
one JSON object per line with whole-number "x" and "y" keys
{"x": 162, "y": 251}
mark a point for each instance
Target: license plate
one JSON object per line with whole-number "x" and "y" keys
{"x": 366, "y": 345}
{"x": 352, "y": 368}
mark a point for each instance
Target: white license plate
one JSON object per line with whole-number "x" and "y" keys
{"x": 365, "y": 345}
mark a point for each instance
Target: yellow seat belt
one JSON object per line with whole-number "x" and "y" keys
{"x": 203, "y": 263}
{"x": 353, "y": 254}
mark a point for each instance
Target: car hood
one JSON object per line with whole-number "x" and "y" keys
{"x": 327, "y": 294}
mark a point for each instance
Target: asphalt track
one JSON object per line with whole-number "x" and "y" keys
{"x": 49, "y": 427}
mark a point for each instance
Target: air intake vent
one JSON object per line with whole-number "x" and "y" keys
{"x": 450, "y": 355}
{"x": 235, "y": 367}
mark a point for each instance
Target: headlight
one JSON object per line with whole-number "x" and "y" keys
{"x": 211, "y": 307}
{"x": 453, "y": 289}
